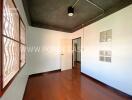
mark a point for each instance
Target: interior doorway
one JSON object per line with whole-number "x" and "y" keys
{"x": 76, "y": 52}
{"x": 66, "y": 54}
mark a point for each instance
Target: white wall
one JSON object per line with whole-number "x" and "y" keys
{"x": 48, "y": 56}
{"x": 118, "y": 73}
{"x": 17, "y": 88}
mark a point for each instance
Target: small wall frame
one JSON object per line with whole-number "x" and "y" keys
{"x": 106, "y": 36}
{"x": 105, "y": 55}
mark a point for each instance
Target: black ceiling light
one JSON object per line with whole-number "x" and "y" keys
{"x": 70, "y": 11}
{"x": 71, "y": 8}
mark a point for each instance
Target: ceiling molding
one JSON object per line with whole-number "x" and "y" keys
{"x": 25, "y": 5}
{"x": 114, "y": 9}
{"x": 105, "y": 13}
{"x": 46, "y": 26}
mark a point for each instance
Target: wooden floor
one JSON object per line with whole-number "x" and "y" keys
{"x": 67, "y": 85}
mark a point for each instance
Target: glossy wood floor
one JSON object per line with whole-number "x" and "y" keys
{"x": 67, "y": 85}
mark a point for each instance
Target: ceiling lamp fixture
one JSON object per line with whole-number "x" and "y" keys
{"x": 70, "y": 11}
{"x": 71, "y": 8}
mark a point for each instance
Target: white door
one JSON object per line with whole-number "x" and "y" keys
{"x": 66, "y": 54}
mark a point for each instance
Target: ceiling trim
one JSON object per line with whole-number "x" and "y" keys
{"x": 46, "y": 26}
{"x": 114, "y": 9}
{"x": 25, "y": 5}
{"x": 95, "y": 5}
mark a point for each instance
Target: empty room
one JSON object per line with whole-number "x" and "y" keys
{"x": 65, "y": 49}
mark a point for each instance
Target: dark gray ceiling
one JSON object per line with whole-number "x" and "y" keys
{"x": 52, "y": 14}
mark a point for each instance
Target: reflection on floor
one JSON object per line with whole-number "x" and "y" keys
{"x": 67, "y": 85}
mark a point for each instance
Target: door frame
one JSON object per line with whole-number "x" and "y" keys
{"x": 66, "y": 63}
{"x": 73, "y": 46}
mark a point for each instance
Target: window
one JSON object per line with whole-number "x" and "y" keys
{"x": 10, "y": 59}
{"x": 23, "y": 43}
{"x": 10, "y": 20}
{"x": 12, "y": 43}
